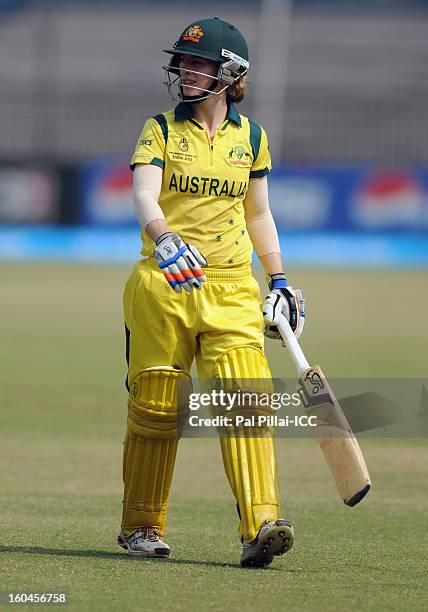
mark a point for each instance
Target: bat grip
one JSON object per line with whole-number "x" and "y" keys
{"x": 293, "y": 346}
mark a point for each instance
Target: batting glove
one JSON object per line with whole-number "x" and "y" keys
{"x": 286, "y": 301}
{"x": 180, "y": 262}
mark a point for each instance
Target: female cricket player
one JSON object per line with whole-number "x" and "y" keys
{"x": 201, "y": 197}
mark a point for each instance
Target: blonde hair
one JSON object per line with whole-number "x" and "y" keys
{"x": 236, "y": 93}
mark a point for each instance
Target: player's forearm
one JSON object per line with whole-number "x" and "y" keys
{"x": 261, "y": 226}
{"x": 272, "y": 263}
{"x": 264, "y": 236}
{"x": 149, "y": 214}
{"x": 146, "y": 190}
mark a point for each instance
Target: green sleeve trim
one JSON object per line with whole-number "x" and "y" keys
{"x": 155, "y": 162}
{"x": 255, "y": 138}
{"x": 161, "y": 119}
{"x": 259, "y": 173}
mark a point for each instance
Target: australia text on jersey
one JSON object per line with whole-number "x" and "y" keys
{"x": 204, "y": 185}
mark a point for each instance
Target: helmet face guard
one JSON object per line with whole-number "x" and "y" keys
{"x": 231, "y": 70}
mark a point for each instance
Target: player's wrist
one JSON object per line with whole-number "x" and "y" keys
{"x": 165, "y": 236}
{"x": 156, "y": 228}
{"x": 277, "y": 281}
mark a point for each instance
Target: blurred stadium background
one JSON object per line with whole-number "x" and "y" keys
{"x": 341, "y": 88}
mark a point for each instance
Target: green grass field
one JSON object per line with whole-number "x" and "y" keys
{"x": 63, "y": 410}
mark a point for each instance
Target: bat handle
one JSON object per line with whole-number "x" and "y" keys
{"x": 293, "y": 346}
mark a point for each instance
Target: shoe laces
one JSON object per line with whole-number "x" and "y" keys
{"x": 150, "y": 533}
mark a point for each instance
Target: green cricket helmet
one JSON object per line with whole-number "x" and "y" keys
{"x": 212, "y": 39}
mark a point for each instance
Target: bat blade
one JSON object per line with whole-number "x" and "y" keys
{"x": 335, "y": 437}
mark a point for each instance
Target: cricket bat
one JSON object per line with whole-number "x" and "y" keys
{"x": 336, "y": 439}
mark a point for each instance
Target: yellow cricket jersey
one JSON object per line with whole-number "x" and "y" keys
{"x": 204, "y": 183}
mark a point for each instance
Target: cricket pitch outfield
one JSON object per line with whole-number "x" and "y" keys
{"x": 63, "y": 419}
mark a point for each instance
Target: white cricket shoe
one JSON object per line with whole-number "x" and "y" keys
{"x": 145, "y": 542}
{"x": 274, "y": 539}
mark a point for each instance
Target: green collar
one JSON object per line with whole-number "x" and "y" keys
{"x": 183, "y": 110}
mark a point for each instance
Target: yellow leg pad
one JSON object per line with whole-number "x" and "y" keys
{"x": 249, "y": 457}
{"x": 154, "y": 424}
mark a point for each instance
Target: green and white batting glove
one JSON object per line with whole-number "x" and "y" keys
{"x": 286, "y": 301}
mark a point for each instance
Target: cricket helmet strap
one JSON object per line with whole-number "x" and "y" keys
{"x": 212, "y": 39}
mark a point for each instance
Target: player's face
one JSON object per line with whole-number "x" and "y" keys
{"x": 190, "y": 65}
